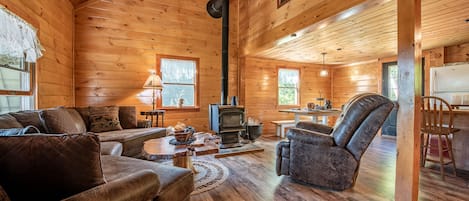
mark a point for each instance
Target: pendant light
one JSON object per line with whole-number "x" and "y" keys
{"x": 323, "y": 72}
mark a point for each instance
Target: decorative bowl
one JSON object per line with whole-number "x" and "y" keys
{"x": 182, "y": 136}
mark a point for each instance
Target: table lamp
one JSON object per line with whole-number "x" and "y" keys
{"x": 153, "y": 82}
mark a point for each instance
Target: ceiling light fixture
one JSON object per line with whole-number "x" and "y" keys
{"x": 323, "y": 72}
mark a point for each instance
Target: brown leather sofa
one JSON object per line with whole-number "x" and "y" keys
{"x": 131, "y": 133}
{"x": 72, "y": 168}
{"x": 330, "y": 157}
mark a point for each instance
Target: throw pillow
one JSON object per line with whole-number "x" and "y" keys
{"x": 8, "y": 121}
{"x": 104, "y": 118}
{"x": 49, "y": 167}
{"x": 128, "y": 116}
{"x": 59, "y": 120}
{"x": 29, "y": 118}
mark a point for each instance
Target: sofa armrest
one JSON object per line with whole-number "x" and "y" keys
{"x": 308, "y": 125}
{"x": 111, "y": 148}
{"x": 143, "y": 123}
{"x": 310, "y": 137}
{"x": 143, "y": 185}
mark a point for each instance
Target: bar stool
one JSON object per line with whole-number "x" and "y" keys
{"x": 434, "y": 124}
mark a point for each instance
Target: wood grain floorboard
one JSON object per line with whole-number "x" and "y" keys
{"x": 253, "y": 178}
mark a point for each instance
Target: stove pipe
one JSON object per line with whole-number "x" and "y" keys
{"x": 217, "y": 9}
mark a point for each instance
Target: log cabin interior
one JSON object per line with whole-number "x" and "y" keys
{"x": 275, "y": 98}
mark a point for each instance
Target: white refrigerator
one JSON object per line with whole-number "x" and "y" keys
{"x": 451, "y": 82}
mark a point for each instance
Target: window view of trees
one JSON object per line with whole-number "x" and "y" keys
{"x": 179, "y": 81}
{"x": 288, "y": 86}
{"x": 14, "y": 79}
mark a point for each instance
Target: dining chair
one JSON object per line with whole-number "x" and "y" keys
{"x": 437, "y": 122}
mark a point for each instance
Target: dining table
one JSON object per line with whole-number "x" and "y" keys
{"x": 313, "y": 113}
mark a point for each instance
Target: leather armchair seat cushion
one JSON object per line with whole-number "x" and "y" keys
{"x": 49, "y": 167}
{"x": 175, "y": 183}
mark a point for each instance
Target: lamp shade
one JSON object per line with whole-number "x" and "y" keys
{"x": 154, "y": 82}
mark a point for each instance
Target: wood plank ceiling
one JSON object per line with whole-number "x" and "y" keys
{"x": 373, "y": 34}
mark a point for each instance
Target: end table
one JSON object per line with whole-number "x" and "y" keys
{"x": 155, "y": 113}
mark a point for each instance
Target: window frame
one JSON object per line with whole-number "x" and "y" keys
{"x": 32, "y": 82}
{"x": 159, "y": 102}
{"x": 298, "y": 88}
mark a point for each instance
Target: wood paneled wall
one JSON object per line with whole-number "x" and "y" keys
{"x": 457, "y": 53}
{"x": 349, "y": 80}
{"x": 117, "y": 43}
{"x": 259, "y": 16}
{"x": 259, "y": 88}
{"x": 54, "y": 19}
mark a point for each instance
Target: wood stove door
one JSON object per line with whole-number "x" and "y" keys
{"x": 231, "y": 120}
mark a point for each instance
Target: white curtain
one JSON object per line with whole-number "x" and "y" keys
{"x": 17, "y": 37}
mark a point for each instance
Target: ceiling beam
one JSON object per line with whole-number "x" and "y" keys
{"x": 311, "y": 19}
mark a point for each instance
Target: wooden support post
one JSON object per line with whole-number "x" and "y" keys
{"x": 410, "y": 88}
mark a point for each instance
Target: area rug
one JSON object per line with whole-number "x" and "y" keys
{"x": 210, "y": 175}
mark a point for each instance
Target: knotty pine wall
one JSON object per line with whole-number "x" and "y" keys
{"x": 260, "y": 16}
{"x": 117, "y": 43}
{"x": 349, "y": 80}
{"x": 259, "y": 88}
{"x": 54, "y": 19}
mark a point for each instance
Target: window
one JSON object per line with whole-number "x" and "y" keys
{"x": 16, "y": 84}
{"x": 19, "y": 49}
{"x": 180, "y": 80}
{"x": 288, "y": 86}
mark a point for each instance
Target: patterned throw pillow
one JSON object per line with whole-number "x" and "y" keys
{"x": 104, "y": 119}
{"x": 3, "y": 195}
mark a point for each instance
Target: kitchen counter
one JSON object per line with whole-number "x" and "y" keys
{"x": 461, "y": 139}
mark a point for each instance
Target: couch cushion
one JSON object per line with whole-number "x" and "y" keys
{"x": 29, "y": 118}
{"x": 176, "y": 183}
{"x": 77, "y": 120}
{"x": 111, "y": 148}
{"x": 85, "y": 115}
{"x": 59, "y": 120}
{"x": 128, "y": 116}
{"x": 8, "y": 121}
{"x": 51, "y": 167}
{"x": 104, "y": 118}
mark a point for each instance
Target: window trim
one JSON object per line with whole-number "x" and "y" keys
{"x": 159, "y": 103}
{"x": 299, "y": 86}
{"x": 32, "y": 81}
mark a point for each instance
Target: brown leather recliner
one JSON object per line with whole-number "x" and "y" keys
{"x": 330, "y": 157}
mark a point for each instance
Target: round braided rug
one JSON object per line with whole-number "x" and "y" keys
{"x": 210, "y": 175}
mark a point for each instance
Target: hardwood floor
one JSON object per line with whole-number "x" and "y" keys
{"x": 253, "y": 177}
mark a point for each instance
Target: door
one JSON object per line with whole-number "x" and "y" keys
{"x": 390, "y": 80}
{"x": 390, "y": 90}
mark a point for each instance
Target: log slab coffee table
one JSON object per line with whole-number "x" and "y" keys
{"x": 159, "y": 149}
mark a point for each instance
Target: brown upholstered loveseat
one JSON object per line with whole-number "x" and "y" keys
{"x": 129, "y": 131}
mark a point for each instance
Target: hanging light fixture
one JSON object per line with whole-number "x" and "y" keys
{"x": 323, "y": 72}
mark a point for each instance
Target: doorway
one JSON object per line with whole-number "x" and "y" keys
{"x": 390, "y": 90}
